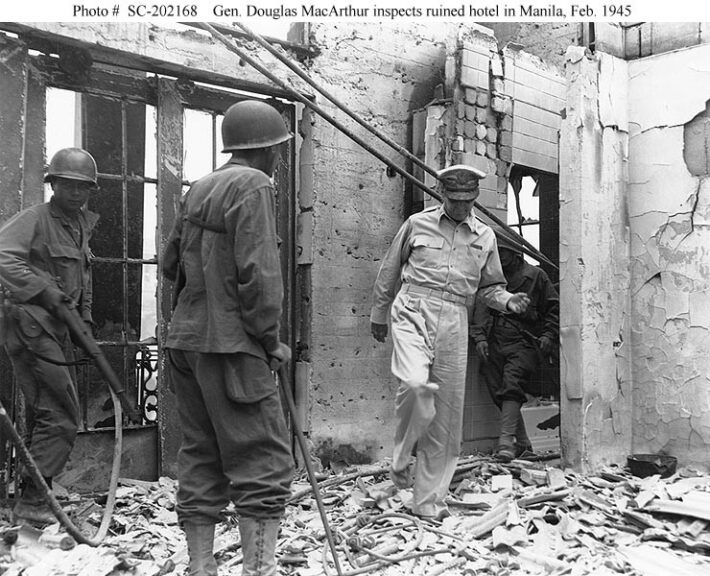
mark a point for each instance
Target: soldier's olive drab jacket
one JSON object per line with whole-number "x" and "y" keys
{"x": 223, "y": 255}
{"x": 540, "y": 319}
{"x": 41, "y": 247}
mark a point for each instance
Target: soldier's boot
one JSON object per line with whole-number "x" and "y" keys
{"x": 200, "y": 545}
{"x": 522, "y": 441}
{"x": 509, "y": 417}
{"x": 259, "y": 545}
{"x": 31, "y": 507}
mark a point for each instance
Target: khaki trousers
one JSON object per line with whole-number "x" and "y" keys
{"x": 430, "y": 338}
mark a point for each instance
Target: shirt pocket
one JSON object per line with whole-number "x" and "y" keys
{"x": 428, "y": 251}
{"x": 470, "y": 260}
{"x": 66, "y": 260}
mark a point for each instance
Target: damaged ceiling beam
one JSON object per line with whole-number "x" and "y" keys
{"x": 197, "y": 62}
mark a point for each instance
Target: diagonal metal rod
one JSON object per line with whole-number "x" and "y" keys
{"x": 267, "y": 45}
{"x": 525, "y": 246}
{"x": 307, "y": 102}
{"x": 263, "y": 42}
{"x": 286, "y": 387}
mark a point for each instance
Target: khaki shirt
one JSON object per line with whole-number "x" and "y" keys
{"x": 433, "y": 251}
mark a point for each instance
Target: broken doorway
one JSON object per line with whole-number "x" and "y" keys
{"x": 533, "y": 212}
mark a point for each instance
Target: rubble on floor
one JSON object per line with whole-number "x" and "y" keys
{"x": 519, "y": 518}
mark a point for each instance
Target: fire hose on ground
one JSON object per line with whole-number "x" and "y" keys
{"x": 80, "y": 334}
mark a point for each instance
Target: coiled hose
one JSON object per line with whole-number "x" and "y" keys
{"x": 31, "y": 466}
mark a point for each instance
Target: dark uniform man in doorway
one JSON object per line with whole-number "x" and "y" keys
{"x": 513, "y": 346}
{"x": 442, "y": 256}
{"x": 223, "y": 342}
{"x": 44, "y": 264}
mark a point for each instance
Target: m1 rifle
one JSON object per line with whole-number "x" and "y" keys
{"x": 82, "y": 336}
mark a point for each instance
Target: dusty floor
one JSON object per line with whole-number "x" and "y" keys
{"x": 514, "y": 519}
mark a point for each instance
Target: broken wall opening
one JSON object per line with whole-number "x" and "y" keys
{"x": 499, "y": 111}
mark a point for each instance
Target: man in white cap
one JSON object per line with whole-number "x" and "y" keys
{"x": 443, "y": 257}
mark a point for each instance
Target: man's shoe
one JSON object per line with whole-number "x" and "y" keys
{"x": 522, "y": 450}
{"x": 438, "y": 517}
{"x": 402, "y": 479}
{"x": 36, "y": 512}
{"x": 505, "y": 453}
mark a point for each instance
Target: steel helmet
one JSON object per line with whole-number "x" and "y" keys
{"x": 507, "y": 241}
{"x": 252, "y": 124}
{"x": 72, "y": 163}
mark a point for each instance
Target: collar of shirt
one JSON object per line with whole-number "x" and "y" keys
{"x": 471, "y": 221}
{"x": 236, "y": 161}
{"x": 84, "y": 216}
{"x": 57, "y": 212}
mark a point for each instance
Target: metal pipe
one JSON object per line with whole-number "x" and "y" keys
{"x": 308, "y": 80}
{"x": 303, "y": 50}
{"x": 528, "y": 248}
{"x": 307, "y": 102}
{"x": 291, "y": 405}
{"x": 264, "y": 43}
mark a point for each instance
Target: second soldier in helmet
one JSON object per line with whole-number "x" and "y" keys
{"x": 223, "y": 342}
{"x": 44, "y": 264}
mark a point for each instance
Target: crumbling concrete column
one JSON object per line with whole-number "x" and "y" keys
{"x": 596, "y": 399}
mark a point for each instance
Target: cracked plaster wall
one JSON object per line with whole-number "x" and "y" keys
{"x": 669, "y": 214}
{"x": 594, "y": 272}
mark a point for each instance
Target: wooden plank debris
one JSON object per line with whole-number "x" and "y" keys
{"x": 501, "y": 523}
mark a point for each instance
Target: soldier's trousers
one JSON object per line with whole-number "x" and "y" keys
{"x": 509, "y": 368}
{"x": 49, "y": 389}
{"x": 235, "y": 444}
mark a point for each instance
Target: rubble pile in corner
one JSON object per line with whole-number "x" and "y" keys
{"x": 520, "y": 518}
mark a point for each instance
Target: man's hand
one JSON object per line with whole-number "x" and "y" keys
{"x": 482, "y": 350}
{"x": 279, "y": 357}
{"x": 51, "y": 299}
{"x": 518, "y": 304}
{"x": 379, "y": 331}
{"x": 545, "y": 344}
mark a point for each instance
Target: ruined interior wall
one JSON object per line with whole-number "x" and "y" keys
{"x": 669, "y": 210}
{"x": 546, "y": 40}
{"x": 502, "y": 108}
{"x": 383, "y": 72}
{"x": 594, "y": 264}
{"x": 648, "y": 38}
{"x": 537, "y": 91}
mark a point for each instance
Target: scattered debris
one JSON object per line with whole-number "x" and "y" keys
{"x": 518, "y": 518}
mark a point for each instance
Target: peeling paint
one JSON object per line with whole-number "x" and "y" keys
{"x": 668, "y": 198}
{"x": 595, "y": 231}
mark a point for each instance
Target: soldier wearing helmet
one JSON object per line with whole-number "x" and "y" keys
{"x": 223, "y": 342}
{"x": 442, "y": 257}
{"x": 44, "y": 263}
{"x": 513, "y": 347}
